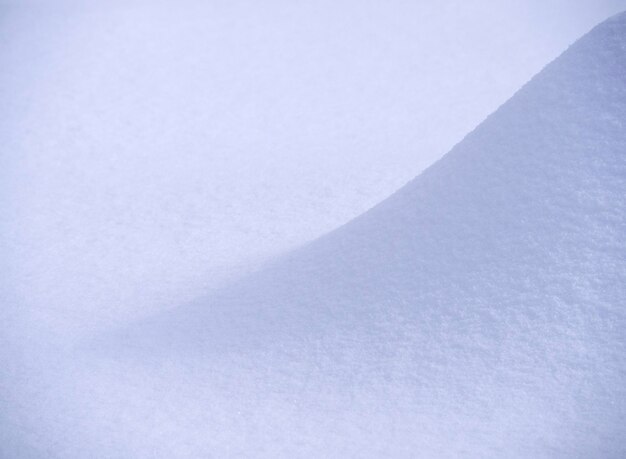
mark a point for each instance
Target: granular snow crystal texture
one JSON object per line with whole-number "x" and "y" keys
{"x": 155, "y": 149}
{"x": 477, "y": 312}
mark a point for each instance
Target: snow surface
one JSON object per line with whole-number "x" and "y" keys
{"x": 152, "y": 150}
{"x": 477, "y": 312}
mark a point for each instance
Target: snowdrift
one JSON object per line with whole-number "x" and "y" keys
{"x": 477, "y": 312}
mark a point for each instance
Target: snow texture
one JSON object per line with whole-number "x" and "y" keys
{"x": 477, "y": 312}
{"x": 154, "y": 150}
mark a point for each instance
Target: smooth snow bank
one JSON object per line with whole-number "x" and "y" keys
{"x": 478, "y": 312}
{"x": 153, "y": 149}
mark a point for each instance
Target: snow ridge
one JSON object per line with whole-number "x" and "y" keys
{"x": 479, "y": 310}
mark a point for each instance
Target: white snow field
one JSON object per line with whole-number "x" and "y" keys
{"x": 151, "y": 150}
{"x": 477, "y": 312}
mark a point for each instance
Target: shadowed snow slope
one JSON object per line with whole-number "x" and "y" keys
{"x": 479, "y": 311}
{"x": 152, "y": 150}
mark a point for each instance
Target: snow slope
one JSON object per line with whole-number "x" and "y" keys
{"x": 153, "y": 149}
{"x": 478, "y": 312}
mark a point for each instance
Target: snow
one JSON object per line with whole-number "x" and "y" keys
{"x": 477, "y": 312}
{"x": 155, "y": 150}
